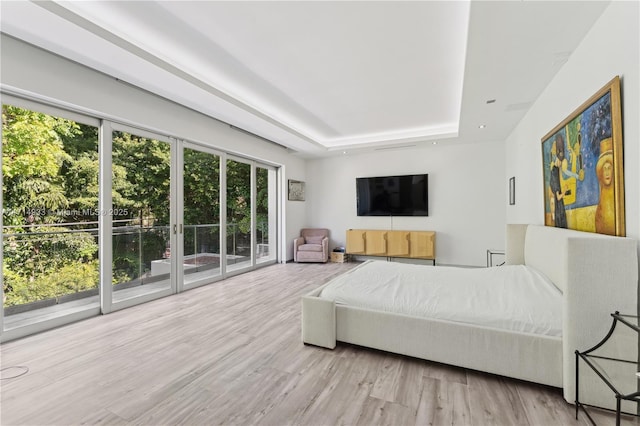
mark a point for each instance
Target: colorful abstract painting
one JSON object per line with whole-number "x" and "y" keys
{"x": 583, "y": 167}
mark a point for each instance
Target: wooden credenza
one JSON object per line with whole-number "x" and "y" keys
{"x": 379, "y": 242}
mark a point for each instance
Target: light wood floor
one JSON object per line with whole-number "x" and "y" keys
{"x": 231, "y": 353}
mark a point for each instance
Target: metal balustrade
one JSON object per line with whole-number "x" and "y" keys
{"x": 199, "y": 240}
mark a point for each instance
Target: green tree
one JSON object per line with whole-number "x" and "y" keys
{"x": 32, "y": 154}
{"x": 80, "y": 173}
{"x": 52, "y": 284}
{"x": 144, "y": 164}
{"x": 201, "y": 187}
{"x": 239, "y": 195}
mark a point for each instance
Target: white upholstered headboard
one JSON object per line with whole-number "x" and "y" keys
{"x": 554, "y": 250}
{"x": 598, "y": 275}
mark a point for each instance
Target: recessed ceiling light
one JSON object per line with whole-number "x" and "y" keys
{"x": 435, "y": 142}
{"x": 344, "y": 152}
{"x": 482, "y": 126}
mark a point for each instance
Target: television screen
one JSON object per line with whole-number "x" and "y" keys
{"x": 393, "y": 195}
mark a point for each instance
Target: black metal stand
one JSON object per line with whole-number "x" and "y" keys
{"x": 586, "y": 356}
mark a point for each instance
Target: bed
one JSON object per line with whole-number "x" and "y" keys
{"x": 591, "y": 275}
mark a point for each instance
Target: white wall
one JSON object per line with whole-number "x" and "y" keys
{"x": 611, "y": 48}
{"x": 466, "y": 196}
{"x": 294, "y": 214}
{"x": 31, "y": 69}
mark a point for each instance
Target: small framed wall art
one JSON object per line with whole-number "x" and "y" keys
{"x": 296, "y": 190}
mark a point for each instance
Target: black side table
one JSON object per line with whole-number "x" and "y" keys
{"x": 623, "y": 391}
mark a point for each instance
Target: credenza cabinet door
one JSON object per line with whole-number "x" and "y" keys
{"x": 376, "y": 243}
{"x": 355, "y": 241}
{"x": 398, "y": 244}
{"x": 423, "y": 244}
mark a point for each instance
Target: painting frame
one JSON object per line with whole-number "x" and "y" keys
{"x": 583, "y": 169}
{"x": 296, "y": 190}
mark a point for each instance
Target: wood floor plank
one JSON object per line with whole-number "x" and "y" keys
{"x": 399, "y": 380}
{"x": 443, "y": 403}
{"x": 544, "y": 405}
{"x": 410, "y": 384}
{"x": 376, "y": 411}
{"x": 103, "y": 417}
{"x": 301, "y": 392}
{"x": 494, "y": 400}
{"x": 386, "y": 385}
{"x": 231, "y": 353}
{"x": 248, "y": 400}
{"x": 447, "y": 373}
{"x": 52, "y": 403}
{"x": 341, "y": 399}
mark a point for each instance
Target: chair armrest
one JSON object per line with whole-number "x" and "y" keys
{"x": 296, "y": 243}
{"x": 325, "y": 247}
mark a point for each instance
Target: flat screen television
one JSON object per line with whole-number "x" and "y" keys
{"x": 406, "y": 195}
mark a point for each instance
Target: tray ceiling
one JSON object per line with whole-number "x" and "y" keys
{"x": 325, "y": 77}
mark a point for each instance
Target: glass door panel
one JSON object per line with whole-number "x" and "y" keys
{"x": 239, "y": 225}
{"x": 265, "y": 214}
{"x": 49, "y": 216}
{"x": 141, "y": 216}
{"x": 201, "y": 213}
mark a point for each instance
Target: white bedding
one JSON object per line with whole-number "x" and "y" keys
{"x": 510, "y": 297}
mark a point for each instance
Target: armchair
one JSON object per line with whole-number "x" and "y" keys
{"x": 311, "y": 246}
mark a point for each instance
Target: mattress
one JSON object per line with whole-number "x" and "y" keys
{"x": 512, "y": 297}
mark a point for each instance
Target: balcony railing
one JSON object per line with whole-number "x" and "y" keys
{"x": 56, "y": 263}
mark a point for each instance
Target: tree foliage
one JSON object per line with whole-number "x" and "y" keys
{"x": 32, "y": 154}
{"x": 201, "y": 188}
{"x": 145, "y": 166}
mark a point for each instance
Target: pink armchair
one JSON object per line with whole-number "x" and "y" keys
{"x": 311, "y": 246}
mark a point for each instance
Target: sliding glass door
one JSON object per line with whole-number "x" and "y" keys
{"x": 49, "y": 214}
{"x": 239, "y": 217}
{"x": 212, "y": 244}
{"x": 141, "y": 216}
{"x": 201, "y": 236}
{"x": 265, "y": 229}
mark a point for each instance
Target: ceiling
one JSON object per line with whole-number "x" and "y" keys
{"x": 325, "y": 78}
